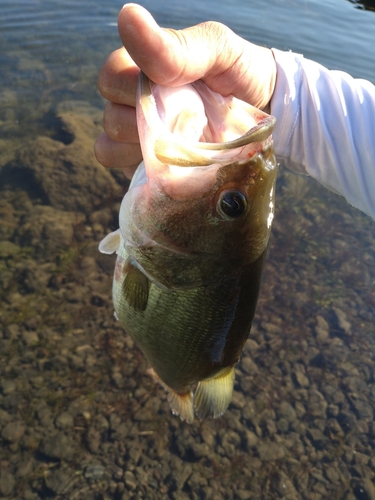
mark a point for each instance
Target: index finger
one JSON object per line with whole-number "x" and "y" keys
{"x": 118, "y": 76}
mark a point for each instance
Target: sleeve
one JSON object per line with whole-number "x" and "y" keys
{"x": 326, "y": 127}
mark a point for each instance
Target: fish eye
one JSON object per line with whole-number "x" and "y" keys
{"x": 231, "y": 204}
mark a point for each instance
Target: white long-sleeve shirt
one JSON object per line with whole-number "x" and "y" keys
{"x": 326, "y": 127}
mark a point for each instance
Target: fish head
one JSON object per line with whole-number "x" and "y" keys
{"x": 201, "y": 203}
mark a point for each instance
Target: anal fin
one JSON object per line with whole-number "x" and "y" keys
{"x": 181, "y": 404}
{"x": 136, "y": 287}
{"x": 213, "y": 395}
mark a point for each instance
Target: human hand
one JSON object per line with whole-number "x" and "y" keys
{"x": 210, "y": 51}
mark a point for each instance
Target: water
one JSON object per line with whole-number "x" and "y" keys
{"x": 79, "y": 417}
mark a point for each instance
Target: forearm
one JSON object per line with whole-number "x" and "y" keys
{"x": 326, "y": 127}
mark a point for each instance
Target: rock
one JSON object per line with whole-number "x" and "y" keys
{"x": 25, "y": 467}
{"x": 300, "y": 375}
{"x": 251, "y": 438}
{"x": 238, "y": 400}
{"x": 30, "y": 338}
{"x": 59, "y": 481}
{"x": 248, "y": 366}
{"x": 8, "y": 386}
{"x": 363, "y": 409}
{"x": 57, "y": 446}
{"x": 285, "y": 488}
{"x": 130, "y": 480}
{"x": 342, "y": 321}
{"x": 282, "y": 425}
{"x": 12, "y": 332}
{"x": 207, "y": 436}
{"x": 322, "y": 329}
{"x": 48, "y": 229}
{"x": 364, "y": 489}
{"x": 94, "y": 472}
{"x": 287, "y": 412}
{"x": 7, "y": 483}
{"x": 269, "y": 450}
{"x": 64, "y": 420}
{"x": 8, "y": 249}
{"x": 317, "y": 405}
{"x": 317, "y": 437}
{"x": 93, "y": 439}
{"x": 13, "y": 431}
{"x": 65, "y": 176}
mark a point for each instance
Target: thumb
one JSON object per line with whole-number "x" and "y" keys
{"x": 209, "y": 51}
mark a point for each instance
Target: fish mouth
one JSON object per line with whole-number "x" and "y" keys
{"x": 170, "y": 149}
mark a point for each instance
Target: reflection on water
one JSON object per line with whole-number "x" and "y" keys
{"x": 79, "y": 417}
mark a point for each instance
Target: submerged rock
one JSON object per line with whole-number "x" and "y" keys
{"x": 66, "y": 175}
{"x": 7, "y": 483}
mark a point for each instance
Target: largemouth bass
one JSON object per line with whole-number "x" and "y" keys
{"x": 194, "y": 230}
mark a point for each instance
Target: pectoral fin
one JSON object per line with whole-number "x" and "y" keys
{"x": 213, "y": 395}
{"x": 110, "y": 244}
{"x": 136, "y": 287}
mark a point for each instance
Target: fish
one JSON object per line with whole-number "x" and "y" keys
{"x": 193, "y": 234}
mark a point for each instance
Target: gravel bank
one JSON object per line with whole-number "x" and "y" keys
{"x": 80, "y": 418}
